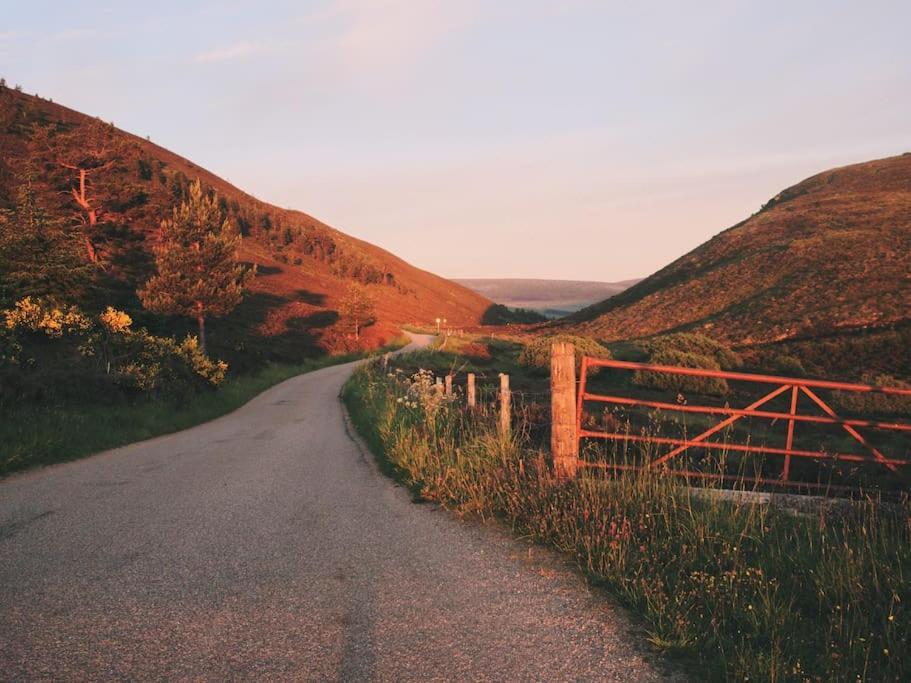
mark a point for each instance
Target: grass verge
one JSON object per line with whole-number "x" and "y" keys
{"x": 743, "y": 591}
{"x": 33, "y": 435}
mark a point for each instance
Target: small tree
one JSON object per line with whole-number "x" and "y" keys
{"x": 357, "y": 308}
{"x": 198, "y": 275}
{"x": 85, "y": 153}
{"x": 39, "y": 256}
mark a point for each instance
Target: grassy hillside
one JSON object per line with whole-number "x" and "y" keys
{"x": 304, "y": 266}
{"x": 552, "y": 298}
{"x": 828, "y": 258}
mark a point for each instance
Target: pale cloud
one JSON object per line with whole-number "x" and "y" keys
{"x": 389, "y": 37}
{"x": 76, "y": 34}
{"x": 239, "y": 50}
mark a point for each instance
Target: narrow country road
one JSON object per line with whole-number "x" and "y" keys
{"x": 265, "y": 545}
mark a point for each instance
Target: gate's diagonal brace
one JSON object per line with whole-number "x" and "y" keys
{"x": 718, "y": 427}
{"x": 848, "y": 428}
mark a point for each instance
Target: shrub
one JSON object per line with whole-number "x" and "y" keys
{"x": 880, "y": 404}
{"x": 476, "y": 351}
{"x": 47, "y": 349}
{"x": 789, "y": 365}
{"x": 696, "y": 344}
{"x": 43, "y": 316}
{"x": 847, "y": 354}
{"x": 682, "y": 383}
{"x": 536, "y": 353}
{"x": 42, "y": 350}
{"x": 690, "y": 350}
{"x": 499, "y": 314}
{"x": 163, "y": 365}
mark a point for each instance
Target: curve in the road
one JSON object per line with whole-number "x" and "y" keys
{"x": 265, "y": 544}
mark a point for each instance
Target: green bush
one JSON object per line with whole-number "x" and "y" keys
{"x": 786, "y": 364}
{"x": 696, "y": 344}
{"x": 498, "y": 314}
{"x": 162, "y": 365}
{"x": 846, "y": 355}
{"x": 53, "y": 351}
{"x": 536, "y": 353}
{"x": 691, "y": 350}
{"x": 875, "y": 403}
{"x": 713, "y": 386}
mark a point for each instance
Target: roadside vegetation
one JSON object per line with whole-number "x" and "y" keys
{"x": 71, "y": 426}
{"x": 739, "y": 590}
{"x": 536, "y": 353}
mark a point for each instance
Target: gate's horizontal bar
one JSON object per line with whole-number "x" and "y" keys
{"x": 746, "y": 377}
{"x": 743, "y": 448}
{"x": 716, "y": 410}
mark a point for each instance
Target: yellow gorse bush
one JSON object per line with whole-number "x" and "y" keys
{"x": 115, "y": 321}
{"x": 38, "y": 315}
{"x": 213, "y": 371}
{"x": 134, "y": 359}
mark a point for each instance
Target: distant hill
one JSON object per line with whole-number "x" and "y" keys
{"x": 304, "y": 265}
{"x": 830, "y": 256}
{"x": 552, "y": 298}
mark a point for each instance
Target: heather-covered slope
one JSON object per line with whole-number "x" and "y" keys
{"x": 304, "y": 266}
{"x": 828, "y": 256}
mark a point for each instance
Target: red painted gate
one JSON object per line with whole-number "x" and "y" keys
{"x": 795, "y": 386}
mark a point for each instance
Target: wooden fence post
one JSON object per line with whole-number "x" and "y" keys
{"x": 472, "y": 399}
{"x": 505, "y": 414}
{"x": 449, "y": 385}
{"x": 564, "y": 446}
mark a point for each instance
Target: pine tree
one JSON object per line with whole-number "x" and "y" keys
{"x": 39, "y": 256}
{"x": 357, "y": 308}
{"x": 198, "y": 275}
{"x": 84, "y": 154}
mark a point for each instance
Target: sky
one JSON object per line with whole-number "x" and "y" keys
{"x": 516, "y": 138}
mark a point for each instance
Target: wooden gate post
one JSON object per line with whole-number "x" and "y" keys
{"x": 564, "y": 446}
{"x": 449, "y": 385}
{"x": 505, "y": 416}
{"x": 472, "y": 399}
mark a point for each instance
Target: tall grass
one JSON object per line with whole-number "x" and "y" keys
{"x": 743, "y": 591}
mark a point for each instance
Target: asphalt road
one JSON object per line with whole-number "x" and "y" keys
{"x": 265, "y": 544}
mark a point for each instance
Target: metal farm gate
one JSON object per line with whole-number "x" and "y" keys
{"x": 727, "y": 416}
